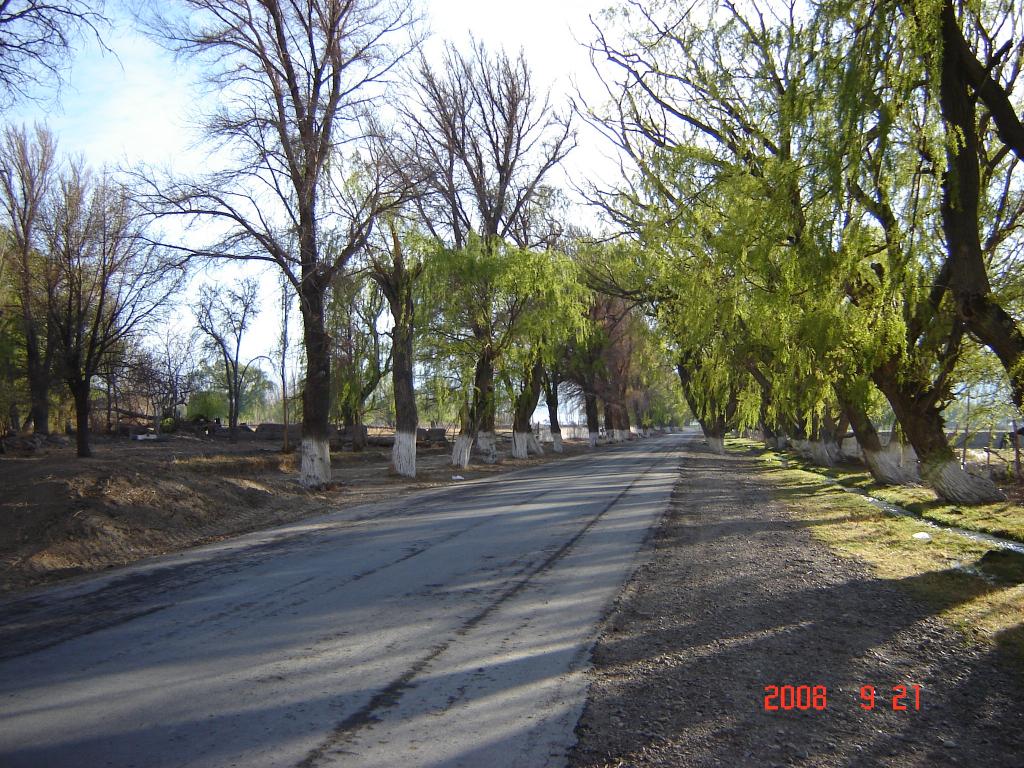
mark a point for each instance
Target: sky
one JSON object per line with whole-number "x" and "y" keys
{"x": 134, "y": 104}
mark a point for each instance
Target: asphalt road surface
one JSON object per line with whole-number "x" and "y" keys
{"x": 448, "y": 628}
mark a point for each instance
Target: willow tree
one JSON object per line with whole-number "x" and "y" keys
{"x": 499, "y": 313}
{"x": 554, "y": 316}
{"x": 294, "y": 82}
{"x": 889, "y": 145}
{"x": 966, "y": 57}
{"x": 360, "y": 352}
{"x": 742, "y": 155}
{"x": 481, "y": 140}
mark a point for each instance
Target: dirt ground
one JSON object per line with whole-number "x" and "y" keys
{"x": 61, "y": 516}
{"x": 737, "y": 596}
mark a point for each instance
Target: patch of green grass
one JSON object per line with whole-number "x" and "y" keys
{"x": 960, "y": 579}
{"x": 1002, "y": 518}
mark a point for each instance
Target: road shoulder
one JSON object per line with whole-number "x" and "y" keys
{"x": 737, "y": 596}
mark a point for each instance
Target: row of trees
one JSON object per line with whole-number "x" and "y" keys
{"x": 443, "y": 217}
{"x": 825, "y": 211}
{"x": 83, "y": 278}
{"x": 820, "y": 214}
{"x": 444, "y": 208}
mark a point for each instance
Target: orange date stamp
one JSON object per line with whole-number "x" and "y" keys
{"x": 803, "y": 698}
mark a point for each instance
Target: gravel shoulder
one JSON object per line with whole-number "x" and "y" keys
{"x": 737, "y": 596}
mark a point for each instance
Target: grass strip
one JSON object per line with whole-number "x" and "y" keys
{"x": 1002, "y": 518}
{"x": 975, "y": 588}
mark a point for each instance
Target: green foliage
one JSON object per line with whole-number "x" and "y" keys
{"x": 514, "y": 304}
{"x": 360, "y": 356}
{"x": 207, "y": 404}
{"x": 210, "y": 400}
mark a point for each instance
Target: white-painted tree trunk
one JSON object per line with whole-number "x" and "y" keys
{"x": 315, "y": 467}
{"x": 487, "y": 447}
{"x": 592, "y": 439}
{"x": 520, "y": 441}
{"x": 905, "y": 457}
{"x": 954, "y": 484}
{"x": 885, "y": 468}
{"x": 820, "y": 454}
{"x": 556, "y": 442}
{"x": 717, "y": 445}
{"x": 533, "y": 445}
{"x": 461, "y": 451}
{"x": 403, "y": 454}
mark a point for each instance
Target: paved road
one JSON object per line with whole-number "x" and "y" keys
{"x": 449, "y": 628}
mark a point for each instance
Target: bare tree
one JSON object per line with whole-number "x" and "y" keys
{"x": 222, "y": 316}
{"x": 27, "y": 170}
{"x": 483, "y": 139}
{"x": 294, "y": 82}
{"x": 105, "y": 279}
{"x": 36, "y": 37}
{"x": 165, "y": 373}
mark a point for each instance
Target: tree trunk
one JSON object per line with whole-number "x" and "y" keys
{"x": 315, "y": 466}
{"x": 714, "y": 433}
{"x": 39, "y": 394}
{"x": 715, "y": 425}
{"x": 884, "y": 468}
{"x": 233, "y": 397}
{"x": 622, "y": 422}
{"x": 593, "y": 427}
{"x": 478, "y": 420}
{"x": 110, "y": 404}
{"x": 551, "y": 397}
{"x": 902, "y": 453}
{"x": 352, "y": 418}
{"x": 403, "y": 453}
{"x": 922, "y": 422}
{"x": 482, "y": 412}
{"x": 822, "y": 448}
{"x": 525, "y": 404}
{"x": 80, "y": 392}
{"x": 461, "y": 450}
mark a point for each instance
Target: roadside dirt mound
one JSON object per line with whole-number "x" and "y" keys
{"x": 61, "y": 516}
